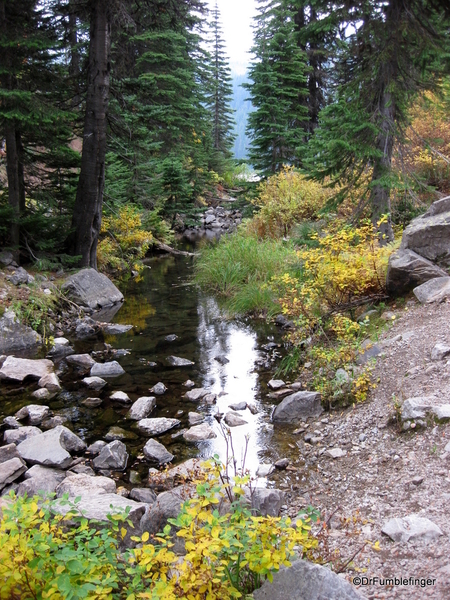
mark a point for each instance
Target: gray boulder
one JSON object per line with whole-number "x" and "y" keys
{"x": 159, "y": 389}
{"x": 16, "y": 436}
{"x": 85, "y": 486}
{"x": 276, "y": 384}
{"x": 306, "y": 581}
{"x": 435, "y": 290}
{"x": 96, "y": 447}
{"x": 90, "y": 288}
{"x": 7, "y": 452}
{"x": 94, "y": 383}
{"x": 120, "y": 397}
{"x": 195, "y": 394}
{"x": 238, "y": 406}
{"x": 296, "y": 406}
{"x": 266, "y": 502}
{"x": 416, "y": 408}
{"x": 176, "y": 361}
{"x": 411, "y": 528}
{"x": 156, "y": 426}
{"x": 234, "y": 420}
{"x": 35, "y": 413}
{"x": 15, "y": 337}
{"x": 199, "y": 433}
{"x": 142, "y": 408}
{"x": 145, "y": 495}
{"x": 113, "y": 456}
{"x": 17, "y": 369}
{"x": 51, "y": 448}
{"x": 20, "y": 277}
{"x": 108, "y": 369}
{"x": 10, "y": 470}
{"x": 156, "y": 452}
{"x": 42, "y": 394}
{"x": 195, "y": 418}
{"x": 407, "y": 270}
{"x": 166, "y": 506}
{"x": 83, "y": 361}
{"x": 50, "y": 382}
{"x": 40, "y": 479}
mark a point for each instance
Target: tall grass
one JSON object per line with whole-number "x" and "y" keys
{"x": 239, "y": 268}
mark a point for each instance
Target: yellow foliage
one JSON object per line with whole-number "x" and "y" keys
{"x": 285, "y": 199}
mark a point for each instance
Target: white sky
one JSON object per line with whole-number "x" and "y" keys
{"x": 236, "y": 17}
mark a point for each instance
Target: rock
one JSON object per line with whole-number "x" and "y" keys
{"x": 61, "y": 341}
{"x": 171, "y": 338}
{"x": 86, "y": 327}
{"x": 15, "y": 337}
{"x": 283, "y": 322}
{"x": 189, "y": 384}
{"x": 429, "y": 234}
{"x": 108, "y": 369}
{"x": 116, "y": 329}
{"x": 96, "y": 447}
{"x": 442, "y": 413}
{"x": 166, "y": 506}
{"x": 16, "y": 436}
{"x": 199, "y": 433}
{"x": 158, "y": 389}
{"x": 411, "y": 528}
{"x": 7, "y": 452}
{"x": 51, "y": 448}
{"x": 85, "y": 486}
{"x": 11, "y": 422}
{"x": 407, "y": 270}
{"x": 435, "y": 290}
{"x": 50, "y": 382}
{"x": 17, "y": 369}
{"x": 20, "y": 277}
{"x": 156, "y": 426}
{"x": 40, "y": 479}
{"x": 83, "y": 361}
{"x": 306, "y": 581}
{"x": 117, "y": 433}
{"x": 234, "y": 420}
{"x": 371, "y": 351}
{"x": 282, "y": 464}
{"x": 90, "y": 288}
{"x": 113, "y": 456}
{"x": 265, "y": 502}
{"x": 42, "y": 394}
{"x": 335, "y": 452}
{"x": 143, "y": 495}
{"x": 265, "y": 470}
{"x": 238, "y": 406}
{"x": 92, "y": 402}
{"x": 7, "y": 258}
{"x": 142, "y": 408}
{"x": 156, "y": 452}
{"x": 10, "y": 470}
{"x": 440, "y": 351}
{"x": 53, "y": 422}
{"x": 221, "y": 359}
{"x": 59, "y": 352}
{"x": 176, "y": 361}
{"x": 121, "y": 397}
{"x": 276, "y": 384}
{"x": 297, "y": 406}
{"x": 253, "y": 409}
{"x": 416, "y": 408}
{"x": 195, "y": 418}
{"x": 209, "y": 399}
{"x": 34, "y": 413}
{"x": 195, "y": 394}
{"x": 94, "y": 383}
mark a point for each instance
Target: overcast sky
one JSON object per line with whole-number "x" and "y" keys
{"x": 236, "y": 17}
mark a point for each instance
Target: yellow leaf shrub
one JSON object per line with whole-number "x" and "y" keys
{"x": 285, "y": 199}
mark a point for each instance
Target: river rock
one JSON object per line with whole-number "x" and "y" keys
{"x": 156, "y": 426}
{"x": 10, "y": 470}
{"x": 51, "y": 448}
{"x": 166, "y": 506}
{"x": 50, "y": 382}
{"x": 297, "y": 406}
{"x": 407, "y": 270}
{"x": 17, "y": 369}
{"x": 90, "y": 288}
{"x": 234, "y": 420}
{"x": 189, "y": 384}
{"x": 92, "y": 402}
{"x": 7, "y": 452}
{"x": 96, "y": 447}
{"x": 59, "y": 352}
{"x": 108, "y": 369}
{"x": 94, "y": 383}
{"x": 435, "y": 290}
{"x": 222, "y": 359}
{"x": 442, "y": 413}
{"x": 264, "y": 470}
{"x": 335, "y": 452}
{"x": 266, "y": 502}
{"x": 121, "y": 397}
{"x": 159, "y": 389}
{"x": 306, "y": 581}
{"x": 11, "y": 422}
{"x": 238, "y": 406}
{"x": 416, "y": 408}
{"x": 35, "y": 413}
{"x": 171, "y": 338}
{"x": 156, "y": 452}
{"x": 113, "y": 456}
{"x": 116, "y": 329}
{"x": 209, "y": 399}
{"x": 411, "y": 528}
{"x": 145, "y": 495}
{"x": 15, "y": 337}
{"x": 83, "y": 361}
{"x": 117, "y": 433}
{"x": 195, "y": 394}
{"x": 42, "y": 394}
{"x": 142, "y": 408}
{"x": 86, "y": 327}
{"x": 195, "y": 418}
{"x": 176, "y": 361}
{"x": 40, "y": 479}
{"x": 199, "y": 433}
{"x": 276, "y": 384}
{"x": 16, "y": 436}
{"x": 85, "y": 486}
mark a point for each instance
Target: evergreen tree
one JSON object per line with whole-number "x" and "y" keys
{"x": 277, "y": 90}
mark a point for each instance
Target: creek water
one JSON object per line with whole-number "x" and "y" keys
{"x": 167, "y": 303}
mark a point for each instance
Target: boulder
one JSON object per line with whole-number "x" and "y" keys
{"x": 50, "y": 382}
{"x": 113, "y": 456}
{"x": 96, "y": 447}
{"x": 142, "y": 408}
{"x": 42, "y": 394}
{"x": 265, "y": 502}
{"x": 411, "y": 528}
{"x": 159, "y": 389}
{"x": 195, "y": 418}
{"x": 85, "y": 486}
{"x": 117, "y": 433}
{"x": 195, "y": 394}
{"x": 442, "y": 413}
{"x": 83, "y": 361}
{"x": 276, "y": 384}
{"x": 121, "y": 397}
{"x": 156, "y": 452}
{"x": 86, "y": 327}
{"x": 306, "y": 581}
{"x": 166, "y": 506}
{"x": 94, "y": 383}
{"x": 108, "y": 369}
{"x": 20, "y": 277}
{"x": 15, "y": 337}
{"x": 16, "y": 436}
{"x": 51, "y": 448}
{"x": 297, "y": 406}
{"x": 429, "y": 234}
{"x": 40, "y": 479}
{"x": 116, "y": 329}
{"x": 11, "y": 422}
{"x": 7, "y": 452}
{"x": 234, "y": 420}
{"x": 238, "y": 406}
{"x": 35, "y": 413}
{"x": 145, "y": 495}
{"x": 156, "y": 426}
{"x": 176, "y": 361}
{"x": 416, "y": 408}
{"x": 90, "y": 288}
{"x": 10, "y": 470}
{"x": 435, "y": 290}
{"x": 407, "y": 270}
{"x": 199, "y": 433}
{"x": 17, "y": 369}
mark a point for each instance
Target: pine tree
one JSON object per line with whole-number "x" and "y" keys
{"x": 278, "y": 87}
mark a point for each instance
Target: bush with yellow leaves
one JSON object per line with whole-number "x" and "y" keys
{"x": 285, "y": 199}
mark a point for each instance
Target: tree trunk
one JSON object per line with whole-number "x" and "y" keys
{"x": 12, "y": 170}
{"x": 87, "y": 214}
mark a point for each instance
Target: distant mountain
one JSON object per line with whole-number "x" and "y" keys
{"x": 242, "y": 107}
